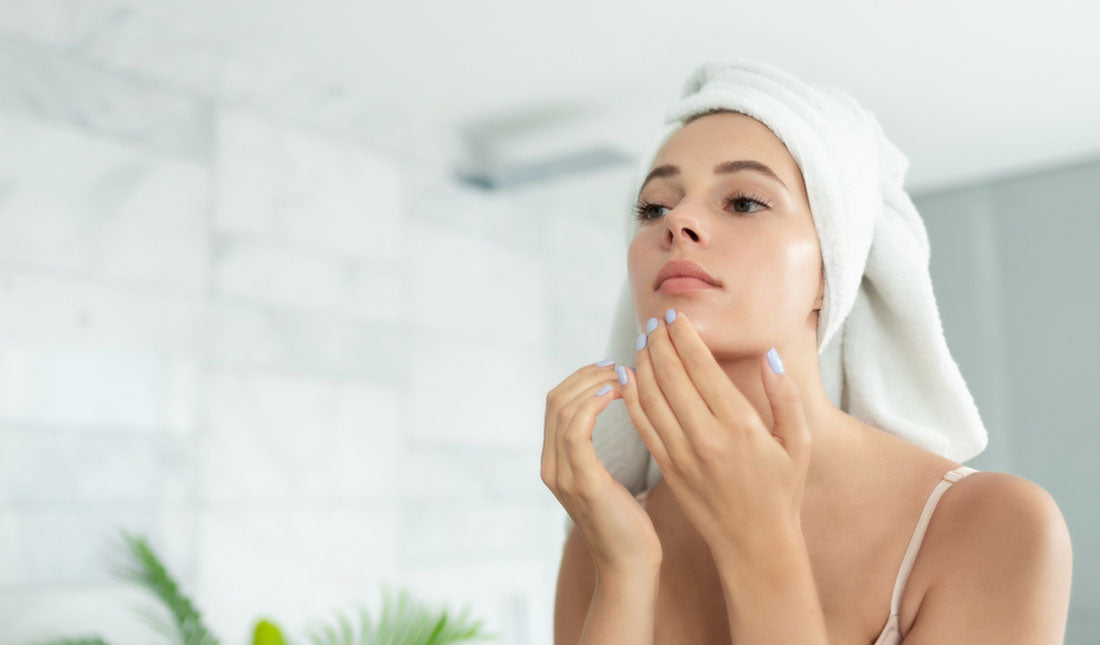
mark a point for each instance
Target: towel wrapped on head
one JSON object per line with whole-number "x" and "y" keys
{"x": 881, "y": 349}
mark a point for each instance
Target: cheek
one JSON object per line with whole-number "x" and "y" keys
{"x": 637, "y": 270}
{"x": 634, "y": 264}
{"x": 801, "y": 266}
{"x": 776, "y": 276}
{"x": 643, "y": 258}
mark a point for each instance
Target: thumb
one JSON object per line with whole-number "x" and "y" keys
{"x": 790, "y": 427}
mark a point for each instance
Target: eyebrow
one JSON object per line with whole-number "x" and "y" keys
{"x": 724, "y": 168}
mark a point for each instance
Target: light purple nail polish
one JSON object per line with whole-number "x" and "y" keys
{"x": 651, "y": 325}
{"x": 605, "y": 362}
{"x": 622, "y": 374}
{"x": 641, "y": 342}
{"x": 774, "y": 361}
{"x": 603, "y": 390}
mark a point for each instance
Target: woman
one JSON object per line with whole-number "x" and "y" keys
{"x": 779, "y": 516}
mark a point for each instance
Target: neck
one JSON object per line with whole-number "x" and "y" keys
{"x": 839, "y": 441}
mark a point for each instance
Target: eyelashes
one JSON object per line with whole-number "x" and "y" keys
{"x": 642, "y": 208}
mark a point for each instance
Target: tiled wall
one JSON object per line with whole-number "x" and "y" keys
{"x": 242, "y": 313}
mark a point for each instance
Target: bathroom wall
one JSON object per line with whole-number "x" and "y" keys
{"x": 243, "y": 312}
{"x": 1014, "y": 268}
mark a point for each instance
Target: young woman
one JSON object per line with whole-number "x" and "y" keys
{"x": 779, "y": 516}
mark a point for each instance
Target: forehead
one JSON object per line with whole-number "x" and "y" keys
{"x": 726, "y": 136}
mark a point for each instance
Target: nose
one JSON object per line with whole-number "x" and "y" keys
{"x": 683, "y": 225}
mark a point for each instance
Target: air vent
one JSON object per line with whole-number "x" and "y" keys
{"x": 546, "y": 142}
{"x": 513, "y": 175}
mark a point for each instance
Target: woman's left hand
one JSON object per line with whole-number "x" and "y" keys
{"x": 739, "y": 483}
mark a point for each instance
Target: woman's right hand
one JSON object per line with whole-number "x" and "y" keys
{"x": 617, "y": 529}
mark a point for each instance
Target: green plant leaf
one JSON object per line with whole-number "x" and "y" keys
{"x": 156, "y": 621}
{"x": 146, "y": 569}
{"x": 267, "y": 633}
{"x": 347, "y": 634}
{"x": 365, "y": 629}
{"x": 405, "y": 621}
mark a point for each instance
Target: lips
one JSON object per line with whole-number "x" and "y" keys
{"x": 683, "y": 269}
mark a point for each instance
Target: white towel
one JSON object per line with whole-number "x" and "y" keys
{"x": 883, "y": 356}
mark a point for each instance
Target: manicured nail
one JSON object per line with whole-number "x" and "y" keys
{"x": 670, "y": 315}
{"x": 773, "y": 360}
{"x": 651, "y": 325}
{"x": 622, "y": 374}
{"x": 605, "y": 362}
{"x": 603, "y": 390}
{"x": 641, "y": 342}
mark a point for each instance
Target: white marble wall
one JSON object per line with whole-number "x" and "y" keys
{"x": 241, "y": 313}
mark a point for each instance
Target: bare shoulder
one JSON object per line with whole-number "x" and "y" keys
{"x": 987, "y": 508}
{"x": 999, "y": 556}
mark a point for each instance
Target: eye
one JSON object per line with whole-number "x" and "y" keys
{"x": 748, "y": 200}
{"x": 642, "y": 209}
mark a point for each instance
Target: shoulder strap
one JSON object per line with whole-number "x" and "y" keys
{"x": 950, "y": 477}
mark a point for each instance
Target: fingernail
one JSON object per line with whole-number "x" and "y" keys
{"x": 670, "y": 315}
{"x": 773, "y": 360}
{"x": 605, "y": 362}
{"x": 651, "y": 325}
{"x": 622, "y": 374}
{"x": 641, "y": 342}
{"x": 603, "y": 390}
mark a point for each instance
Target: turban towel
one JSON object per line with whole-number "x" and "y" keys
{"x": 881, "y": 349}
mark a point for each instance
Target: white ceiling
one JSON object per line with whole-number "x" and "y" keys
{"x": 968, "y": 90}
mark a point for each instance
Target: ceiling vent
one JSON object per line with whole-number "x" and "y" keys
{"x": 541, "y": 145}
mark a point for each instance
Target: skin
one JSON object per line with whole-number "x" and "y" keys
{"x": 769, "y": 263}
{"x": 864, "y": 487}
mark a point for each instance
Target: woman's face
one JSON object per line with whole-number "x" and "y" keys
{"x": 753, "y": 233}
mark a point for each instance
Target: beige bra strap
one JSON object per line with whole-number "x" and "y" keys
{"x": 949, "y": 478}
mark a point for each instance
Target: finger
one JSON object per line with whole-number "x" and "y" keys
{"x": 656, "y": 408}
{"x": 584, "y": 377}
{"x": 679, "y": 389}
{"x": 725, "y": 401}
{"x": 642, "y": 424}
{"x": 578, "y": 464}
{"x": 790, "y": 426}
{"x": 559, "y": 411}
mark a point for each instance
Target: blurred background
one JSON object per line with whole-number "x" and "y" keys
{"x": 283, "y": 285}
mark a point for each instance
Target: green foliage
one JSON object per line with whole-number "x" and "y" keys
{"x": 409, "y": 622}
{"x": 146, "y": 570}
{"x": 406, "y": 622}
{"x": 267, "y": 633}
